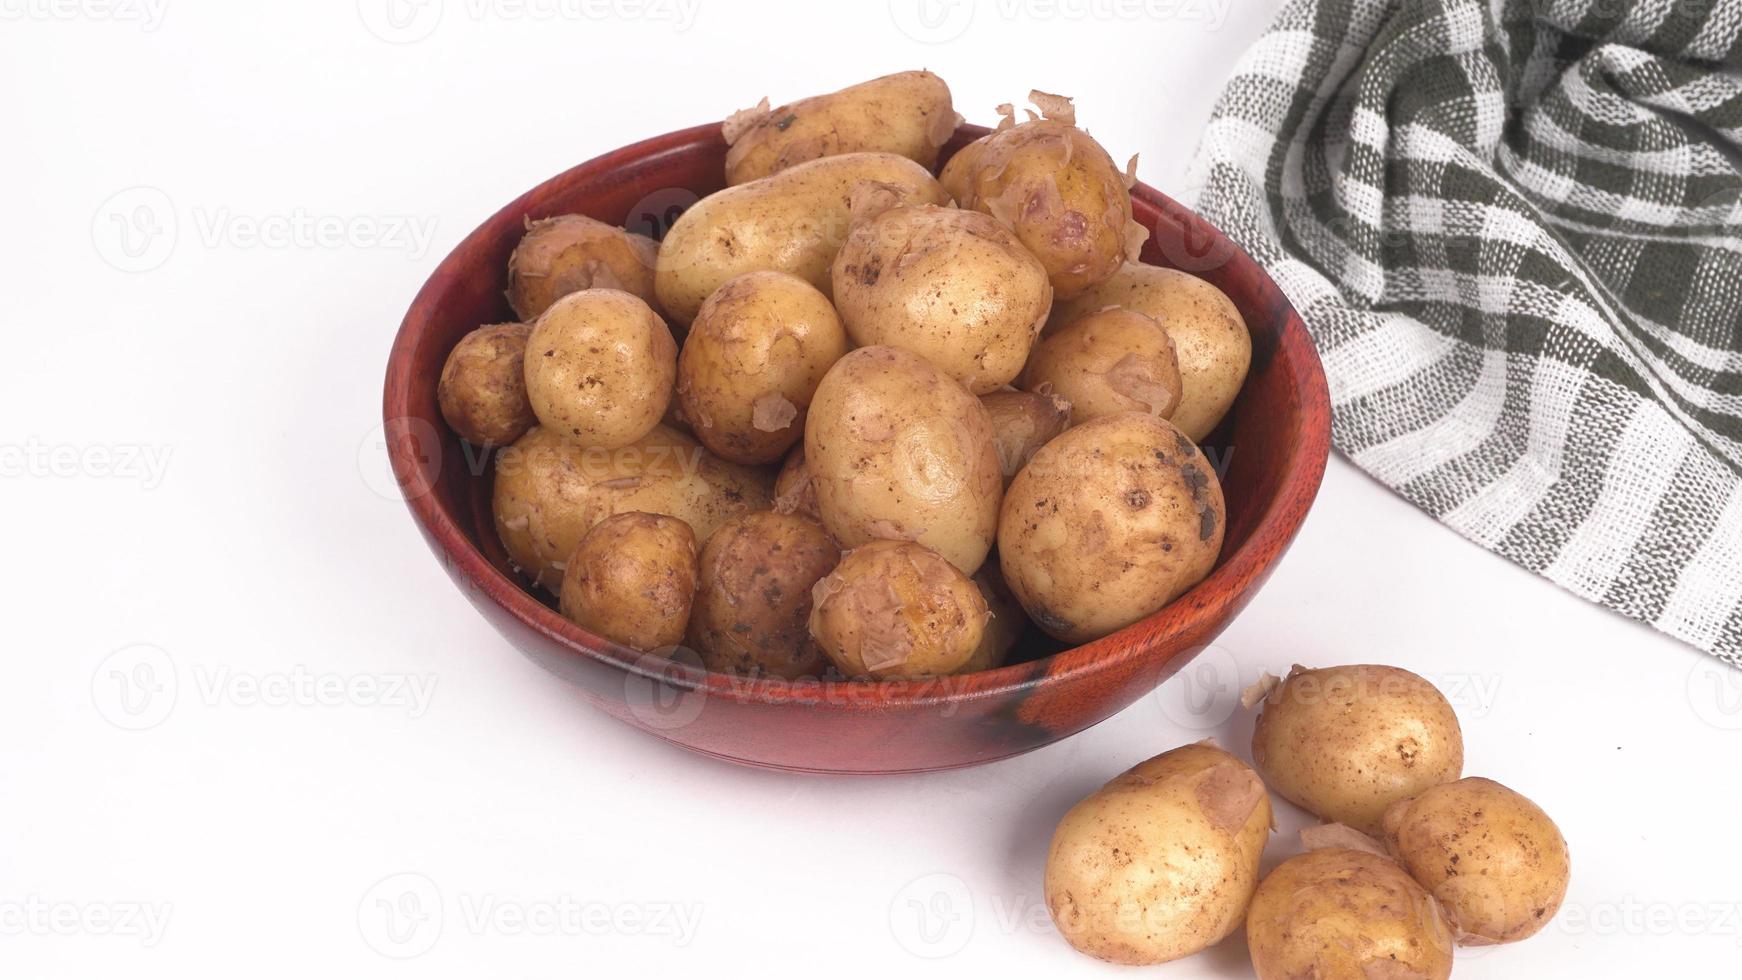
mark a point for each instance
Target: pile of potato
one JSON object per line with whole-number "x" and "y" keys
{"x": 1164, "y": 861}
{"x": 852, "y": 418}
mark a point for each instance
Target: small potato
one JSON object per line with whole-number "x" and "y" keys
{"x": 752, "y": 611}
{"x": 1108, "y": 523}
{"x": 894, "y": 609}
{"x": 1024, "y": 422}
{"x": 907, "y": 113}
{"x": 632, "y": 579}
{"x": 897, "y": 449}
{"x": 753, "y": 359}
{"x": 550, "y": 491}
{"x": 1003, "y": 629}
{"x": 952, "y": 286}
{"x": 1497, "y": 864}
{"x": 572, "y": 252}
{"x": 1209, "y": 335}
{"x": 793, "y": 491}
{"x": 794, "y": 221}
{"x": 1110, "y": 361}
{"x": 1161, "y": 862}
{"x": 600, "y": 368}
{"x": 1057, "y": 188}
{"x": 1346, "y": 914}
{"x": 483, "y": 386}
{"x": 1344, "y": 743}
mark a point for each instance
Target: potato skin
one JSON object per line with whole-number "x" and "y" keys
{"x": 794, "y": 221}
{"x": 632, "y": 579}
{"x": 600, "y": 368}
{"x": 482, "y": 391}
{"x": 907, "y": 113}
{"x": 1495, "y": 861}
{"x": 571, "y": 252}
{"x": 1162, "y": 861}
{"x": 1024, "y": 421}
{"x": 1005, "y": 625}
{"x": 753, "y": 606}
{"x": 550, "y": 491}
{"x": 895, "y": 609}
{"x": 1108, "y": 523}
{"x": 898, "y": 449}
{"x": 754, "y": 356}
{"x": 1057, "y": 188}
{"x": 794, "y": 493}
{"x": 1106, "y": 362}
{"x": 952, "y": 286}
{"x": 1344, "y": 914}
{"x": 1344, "y": 743}
{"x": 1210, "y": 337}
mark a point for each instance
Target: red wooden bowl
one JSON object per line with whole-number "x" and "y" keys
{"x": 1272, "y": 449}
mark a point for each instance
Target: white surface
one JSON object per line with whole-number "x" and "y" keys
{"x": 191, "y": 463}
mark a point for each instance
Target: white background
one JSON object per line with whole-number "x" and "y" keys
{"x": 196, "y": 506}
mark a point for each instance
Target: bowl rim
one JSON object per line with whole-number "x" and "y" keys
{"x": 1229, "y": 583}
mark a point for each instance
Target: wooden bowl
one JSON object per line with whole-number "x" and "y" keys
{"x": 1272, "y": 447}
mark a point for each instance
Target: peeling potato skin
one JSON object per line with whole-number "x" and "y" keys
{"x": 753, "y": 606}
{"x": 1162, "y": 861}
{"x": 1210, "y": 337}
{"x": 1492, "y": 858}
{"x": 952, "y": 286}
{"x": 600, "y": 368}
{"x": 897, "y": 449}
{"x": 762, "y": 338}
{"x": 550, "y": 491}
{"x": 572, "y": 252}
{"x": 632, "y": 580}
{"x": 794, "y": 493}
{"x": 1024, "y": 422}
{"x": 482, "y": 391}
{"x": 1106, "y": 362}
{"x": 1108, "y": 523}
{"x": 896, "y": 609}
{"x": 907, "y": 113}
{"x": 1060, "y": 192}
{"x": 794, "y": 221}
{"x": 1344, "y": 743}
{"x": 1342, "y": 914}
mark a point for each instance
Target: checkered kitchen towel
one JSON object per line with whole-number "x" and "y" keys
{"x": 1513, "y": 229}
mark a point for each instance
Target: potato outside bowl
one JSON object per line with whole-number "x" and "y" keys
{"x": 1273, "y": 447}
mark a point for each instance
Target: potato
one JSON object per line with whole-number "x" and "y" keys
{"x": 1345, "y": 914}
{"x": 1162, "y": 861}
{"x": 1106, "y": 362}
{"x": 896, "y": 609}
{"x": 752, "y": 611}
{"x": 897, "y": 449}
{"x": 632, "y": 579}
{"x": 793, "y": 491}
{"x": 1057, "y": 188}
{"x": 952, "y": 286}
{"x": 1005, "y": 626}
{"x": 550, "y": 491}
{"x": 1024, "y": 421}
{"x": 754, "y": 356}
{"x": 572, "y": 252}
{"x": 482, "y": 392}
{"x": 794, "y": 221}
{"x": 908, "y": 113}
{"x": 1344, "y": 743}
{"x": 1497, "y": 864}
{"x": 1210, "y": 338}
{"x": 600, "y": 368}
{"x": 1108, "y": 523}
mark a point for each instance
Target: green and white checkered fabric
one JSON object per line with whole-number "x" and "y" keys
{"x": 1514, "y": 230}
